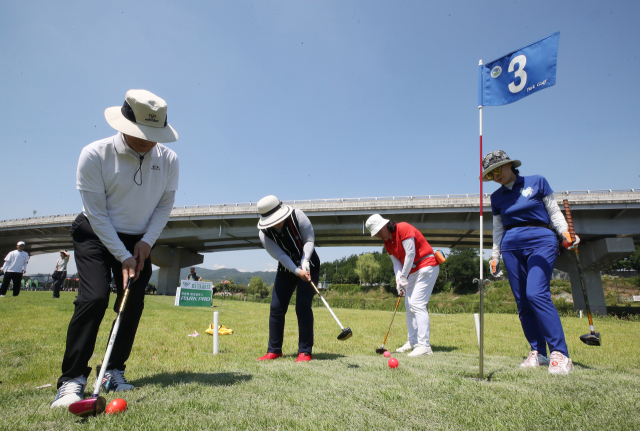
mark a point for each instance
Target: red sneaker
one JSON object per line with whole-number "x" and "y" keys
{"x": 303, "y": 357}
{"x": 270, "y": 356}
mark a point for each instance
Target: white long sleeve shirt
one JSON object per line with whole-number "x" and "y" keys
{"x": 115, "y": 203}
{"x": 61, "y": 264}
{"x": 16, "y": 261}
{"x": 308, "y": 237}
{"x": 558, "y": 222}
{"x": 404, "y": 268}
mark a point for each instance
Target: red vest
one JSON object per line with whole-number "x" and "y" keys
{"x": 406, "y": 231}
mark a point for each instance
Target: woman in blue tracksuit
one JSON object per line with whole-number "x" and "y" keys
{"x": 525, "y": 215}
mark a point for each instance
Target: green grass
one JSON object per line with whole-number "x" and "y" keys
{"x": 181, "y": 385}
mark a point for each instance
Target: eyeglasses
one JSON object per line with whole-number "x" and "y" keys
{"x": 496, "y": 171}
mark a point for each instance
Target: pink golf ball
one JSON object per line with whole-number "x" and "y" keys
{"x": 387, "y": 354}
{"x": 393, "y": 363}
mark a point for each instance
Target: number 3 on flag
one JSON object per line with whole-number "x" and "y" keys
{"x": 521, "y": 61}
{"x": 497, "y": 87}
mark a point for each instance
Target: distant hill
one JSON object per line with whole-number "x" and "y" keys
{"x": 221, "y": 274}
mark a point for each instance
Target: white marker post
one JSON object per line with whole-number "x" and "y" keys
{"x": 481, "y": 313}
{"x": 215, "y": 332}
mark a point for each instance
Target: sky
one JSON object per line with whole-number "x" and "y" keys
{"x": 314, "y": 99}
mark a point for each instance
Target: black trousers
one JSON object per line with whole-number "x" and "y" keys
{"x": 57, "y": 284}
{"x": 283, "y": 288}
{"x": 95, "y": 265}
{"x": 16, "y": 277}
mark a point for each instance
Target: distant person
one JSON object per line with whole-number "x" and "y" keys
{"x": 15, "y": 266}
{"x": 288, "y": 237}
{"x": 416, "y": 270}
{"x": 127, "y": 183}
{"x": 60, "y": 273}
{"x": 525, "y": 213}
{"x": 193, "y": 276}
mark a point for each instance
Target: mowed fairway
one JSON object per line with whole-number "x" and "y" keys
{"x": 182, "y": 386}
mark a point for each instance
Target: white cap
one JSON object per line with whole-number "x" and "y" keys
{"x": 20, "y": 243}
{"x": 272, "y": 211}
{"x": 375, "y": 223}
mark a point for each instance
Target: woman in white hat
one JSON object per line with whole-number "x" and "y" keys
{"x": 525, "y": 215}
{"x": 416, "y": 272}
{"x": 288, "y": 237}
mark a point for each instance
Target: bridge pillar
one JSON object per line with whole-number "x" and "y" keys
{"x": 594, "y": 257}
{"x": 171, "y": 260}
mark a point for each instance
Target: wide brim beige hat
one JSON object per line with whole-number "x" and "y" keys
{"x": 272, "y": 211}
{"x": 495, "y": 159}
{"x": 143, "y": 115}
{"x": 375, "y": 223}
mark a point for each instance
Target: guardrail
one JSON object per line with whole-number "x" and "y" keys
{"x": 252, "y": 205}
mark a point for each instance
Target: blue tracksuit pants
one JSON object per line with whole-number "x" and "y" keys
{"x": 529, "y": 271}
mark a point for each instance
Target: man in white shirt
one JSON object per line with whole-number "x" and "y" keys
{"x": 127, "y": 183}
{"x": 60, "y": 273}
{"x": 15, "y": 265}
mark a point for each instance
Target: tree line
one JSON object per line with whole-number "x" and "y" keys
{"x": 376, "y": 269}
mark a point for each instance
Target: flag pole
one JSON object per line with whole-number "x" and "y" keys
{"x": 481, "y": 281}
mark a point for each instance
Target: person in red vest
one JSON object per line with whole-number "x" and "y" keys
{"x": 416, "y": 270}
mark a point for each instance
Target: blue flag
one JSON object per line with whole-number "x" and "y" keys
{"x": 519, "y": 74}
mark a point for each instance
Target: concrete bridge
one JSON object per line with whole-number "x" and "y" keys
{"x": 608, "y": 220}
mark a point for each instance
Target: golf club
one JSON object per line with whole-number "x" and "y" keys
{"x": 592, "y": 339}
{"x": 96, "y": 404}
{"x": 346, "y": 332}
{"x": 381, "y": 350}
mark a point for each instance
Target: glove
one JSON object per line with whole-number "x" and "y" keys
{"x": 567, "y": 243}
{"x": 495, "y": 267}
{"x": 401, "y": 285}
{"x": 305, "y": 265}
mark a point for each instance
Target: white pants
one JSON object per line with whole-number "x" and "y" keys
{"x": 417, "y": 297}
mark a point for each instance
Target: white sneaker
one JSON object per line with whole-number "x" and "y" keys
{"x": 404, "y": 348}
{"x": 421, "y": 350}
{"x": 534, "y": 360}
{"x": 560, "y": 364}
{"x": 70, "y": 392}
{"x": 114, "y": 380}
{"x": 1, "y": 296}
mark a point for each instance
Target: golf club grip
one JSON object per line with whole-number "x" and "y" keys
{"x": 112, "y": 339}
{"x": 567, "y": 212}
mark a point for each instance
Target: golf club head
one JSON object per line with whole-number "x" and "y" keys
{"x": 591, "y": 339}
{"x": 381, "y": 351}
{"x": 88, "y": 407}
{"x": 345, "y": 334}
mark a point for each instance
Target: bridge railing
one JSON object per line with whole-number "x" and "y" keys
{"x": 251, "y": 207}
{"x": 399, "y": 198}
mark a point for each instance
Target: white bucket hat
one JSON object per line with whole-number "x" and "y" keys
{"x": 20, "y": 243}
{"x": 375, "y": 223}
{"x": 143, "y": 115}
{"x": 272, "y": 211}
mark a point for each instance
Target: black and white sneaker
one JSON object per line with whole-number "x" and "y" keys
{"x": 114, "y": 380}
{"x": 70, "y": 392}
